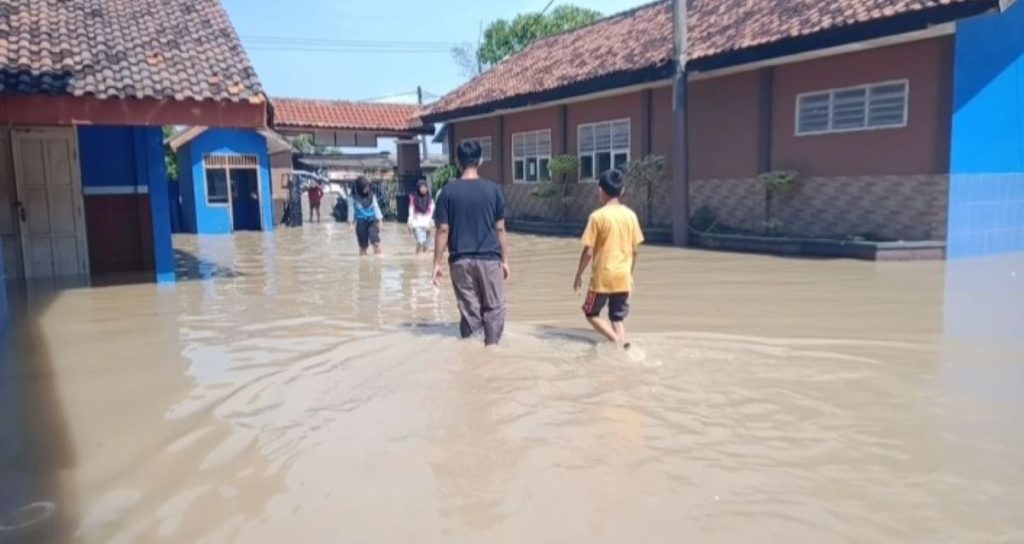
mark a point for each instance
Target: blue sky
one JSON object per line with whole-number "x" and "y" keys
{"x": 336, "y": 48}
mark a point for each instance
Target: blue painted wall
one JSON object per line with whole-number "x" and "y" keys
{"x": 200, "y": 217}
{"x": 986, "y": 207}
{"x": 188, "y": 192}
{"x": 107, "y": 156}
{"x": 152, "y": 168}
{"x": 985, "y": 294}
{"x": 132, "y": 159}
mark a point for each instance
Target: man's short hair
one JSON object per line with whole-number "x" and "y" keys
{"x": 612, "y": 183}
{"x": 468, "y": 153}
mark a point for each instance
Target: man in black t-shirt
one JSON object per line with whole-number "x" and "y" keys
{"x": 470, "y": 219}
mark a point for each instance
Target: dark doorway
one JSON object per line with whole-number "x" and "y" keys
{"x": 245, "y": 198}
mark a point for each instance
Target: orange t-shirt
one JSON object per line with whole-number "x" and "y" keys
{"x": 613, "y": 232}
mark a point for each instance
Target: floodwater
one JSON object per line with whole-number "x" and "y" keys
{"x": 286, "y": 391}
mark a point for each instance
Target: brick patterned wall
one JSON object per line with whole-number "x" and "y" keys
{"x": 891, "y": 207}
{"x": 120, "y": 233}
{"x": 738, "y": 203}
{"x": 521, "y": 204}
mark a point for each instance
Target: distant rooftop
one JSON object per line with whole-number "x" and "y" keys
{"x": 301, "y": 113}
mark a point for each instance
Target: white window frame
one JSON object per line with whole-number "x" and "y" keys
{"x": 486, "y": 152}
{"x": 612, "y": 150}
{"x": 867, "y": 113}
{"x": 227, "y": 162}
{"x": 538, "y": 156}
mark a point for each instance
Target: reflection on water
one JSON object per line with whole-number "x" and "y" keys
{"x": 294, "y": 392}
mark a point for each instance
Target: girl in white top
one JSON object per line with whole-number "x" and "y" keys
{"x": 421, "y": 216}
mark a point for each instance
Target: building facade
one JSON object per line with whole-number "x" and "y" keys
{"x": 225, "y": 179}
{"x": 863, "y": 113}
{"x": 83, "y": 183}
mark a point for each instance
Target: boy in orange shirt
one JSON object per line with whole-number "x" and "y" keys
{"x": 610, "y": 241}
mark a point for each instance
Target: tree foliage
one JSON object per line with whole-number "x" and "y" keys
{"x": 561, "y": 169}
{"x": 467, "y": 60}
{"x": 303, "y": 143}
{"x": 170, "y": 157}
{"x": 503, "y": 38}
{"x": 442, "y": 176}
{"x": 645, "y": 175}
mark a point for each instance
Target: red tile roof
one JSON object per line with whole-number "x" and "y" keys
{"x": 640, "y": 40}
{"x": 339, "y": 114}
{"x": 176, "y": 49}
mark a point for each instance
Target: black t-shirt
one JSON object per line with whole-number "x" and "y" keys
{"x": 471, "y": 209}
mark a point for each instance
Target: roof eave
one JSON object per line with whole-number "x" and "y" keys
{"x": 835, "y": 37}
{"x": 427, "y": 129}
{"x": 849, "y": 34}
{"x": 614, "y": 80}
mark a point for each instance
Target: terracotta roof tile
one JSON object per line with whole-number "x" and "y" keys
{"x": 339, "y": 114}
{"x": 641, "y": 39}
{"x": 180, "y": 49}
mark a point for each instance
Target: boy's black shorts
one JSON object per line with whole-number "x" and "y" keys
{"x": 618, "y": 305}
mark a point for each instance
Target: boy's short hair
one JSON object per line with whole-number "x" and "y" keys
{"x": 612, "y": 183}
{"x": 468, "y": 153}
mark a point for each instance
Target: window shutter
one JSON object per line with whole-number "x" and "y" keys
{"x": 586, "y": 143}
{"x": 813, "y": 113}
{"x": 620, "y": 135}
{"x": 849, "y": 109}
{"x": 518, "y": 146}
{"x": 485, "y": 148}
{"x": 603, "y": 137}
{"x": 887, "y": 105}
{"x": 544, "y": 142}
{"x": 531, "y": 144}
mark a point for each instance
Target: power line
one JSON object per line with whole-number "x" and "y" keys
{"x": 361, "y": 51}
{"x": 292, "y": 41}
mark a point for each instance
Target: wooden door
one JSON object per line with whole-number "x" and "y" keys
{"x": 10, "y": 240}
{"x": 49, "y": 188}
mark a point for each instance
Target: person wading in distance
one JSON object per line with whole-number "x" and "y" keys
{"x": 470, "y": 220}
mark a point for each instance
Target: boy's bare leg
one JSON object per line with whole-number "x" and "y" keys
{"x": 362, "y": 252}
{"x": 620, "y": 331}
{"x": 604, "y": 328}
{"x": 376, "y": 249}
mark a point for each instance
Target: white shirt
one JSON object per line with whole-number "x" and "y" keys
{"x": 420, "y": 220}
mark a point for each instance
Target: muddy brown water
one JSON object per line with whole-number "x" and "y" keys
{"x": 287, "y": 391}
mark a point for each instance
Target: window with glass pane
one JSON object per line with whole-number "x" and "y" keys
{"x": 586, "y": 167}
{"x": 531, "y": 153}
{"x": 881, "y": 105}
{"x": 603, "y": 146}
{"x": 216, "y": 186}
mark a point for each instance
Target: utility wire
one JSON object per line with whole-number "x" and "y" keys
{"x": 335, "y": 44}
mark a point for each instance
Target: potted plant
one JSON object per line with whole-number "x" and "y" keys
{"x": 560, "y": 170}
{"x": 775, "y": 182}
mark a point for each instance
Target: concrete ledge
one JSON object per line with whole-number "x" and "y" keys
{"x": 812, "y": 247}
{"x": 551, "y": 228}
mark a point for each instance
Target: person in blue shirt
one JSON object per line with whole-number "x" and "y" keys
{"x": 365, "y": 215}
